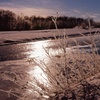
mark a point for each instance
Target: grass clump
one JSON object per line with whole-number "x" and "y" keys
{"x": 71, "y": 73}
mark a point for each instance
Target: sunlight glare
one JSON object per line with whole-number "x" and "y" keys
{"x": 38, "y": 50}
{"x": 39, "y": 75}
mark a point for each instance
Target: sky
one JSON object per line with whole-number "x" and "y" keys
{"x": 76, "y": 8}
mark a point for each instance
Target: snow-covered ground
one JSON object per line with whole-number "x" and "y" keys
{"x": 24, "y": 36}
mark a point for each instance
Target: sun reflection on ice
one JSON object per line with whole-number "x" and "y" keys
{"x": 37, "y": 49}
{"x": 38, "y": 71}
{"x": 38, "y": 80}
{"x": 39, "y": 75}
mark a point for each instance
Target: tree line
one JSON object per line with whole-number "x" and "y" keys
{"x": 9, "y": 21}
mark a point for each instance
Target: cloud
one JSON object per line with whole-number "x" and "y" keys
{"x": 32, "y": 7}
{"x": 95, "y": 16}
{"x": 30, "y": 11}
{"x": 39, "y": 8}
{"x": 76, "y": 11}
{"x": 46, "y": 8}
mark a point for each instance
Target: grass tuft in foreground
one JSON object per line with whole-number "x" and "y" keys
{"x": 72, "y": 73}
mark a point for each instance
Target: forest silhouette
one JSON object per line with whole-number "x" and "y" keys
{"x": 9, "y": 21}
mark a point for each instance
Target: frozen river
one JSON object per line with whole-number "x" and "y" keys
{"x": 17, "y": 58}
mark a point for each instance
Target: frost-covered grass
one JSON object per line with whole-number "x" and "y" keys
{"x": 70, "y": 74}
